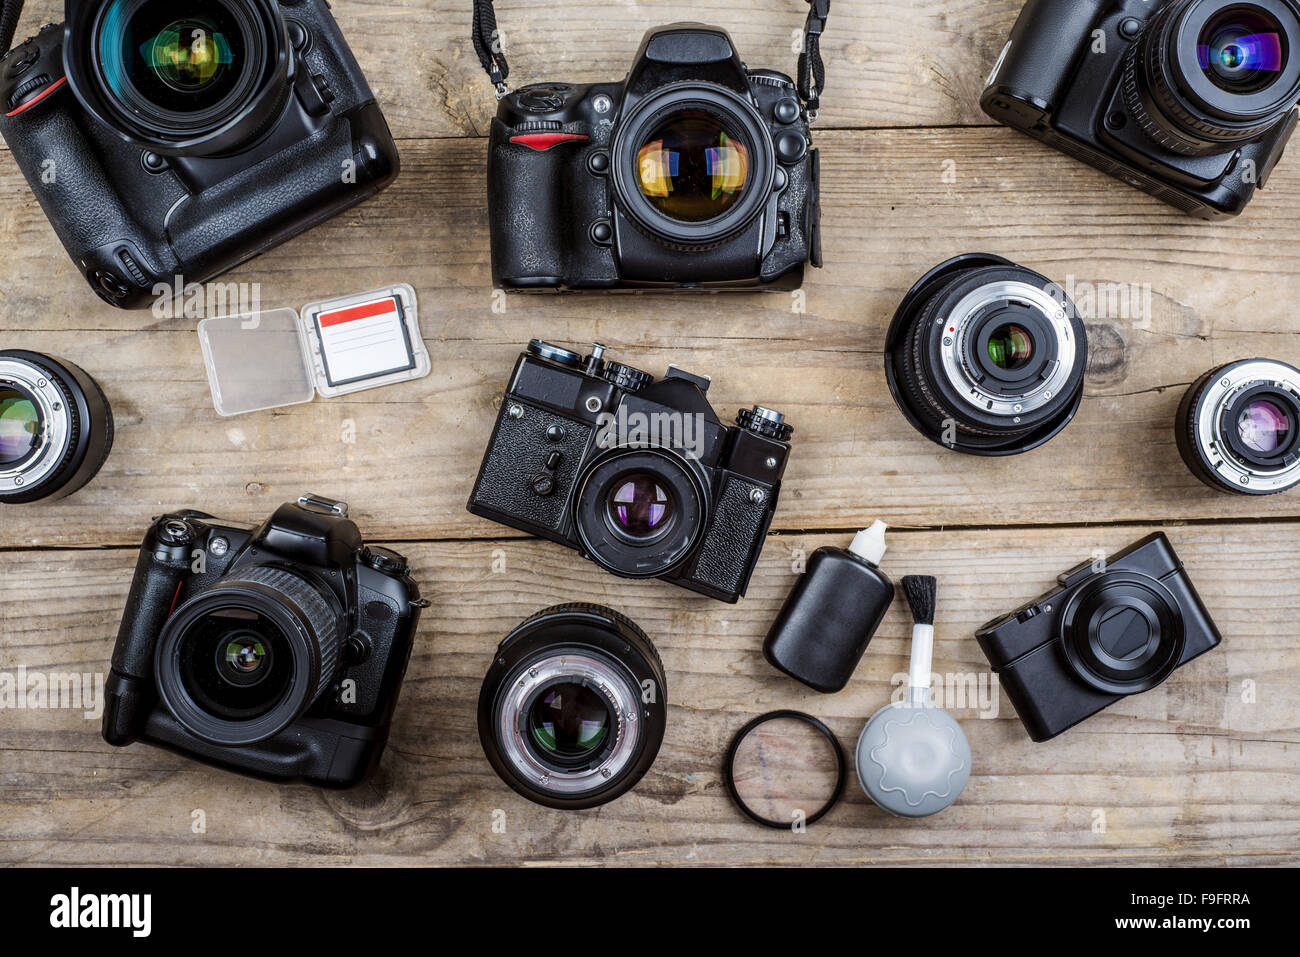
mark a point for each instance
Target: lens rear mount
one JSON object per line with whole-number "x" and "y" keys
{"x": 574, "y": 649}
{"x": 734, "y": 115}
{"x": 986, "y": 357}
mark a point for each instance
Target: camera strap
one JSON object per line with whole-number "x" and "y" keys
{"x": 9, "y": 14}
{"x": 489, "y": 44}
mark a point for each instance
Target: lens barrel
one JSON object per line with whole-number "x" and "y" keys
{"x": 242, "y": 660}
{"x": 572, "y": 712}
{"x": 1209, "y": 74}
{"x": 56, "y": 427}
{"x": 692, "y": 165}
{"x": 200, "y": 78}
{"x": 986, "y": 357}
{"x": 1238, "y": 427}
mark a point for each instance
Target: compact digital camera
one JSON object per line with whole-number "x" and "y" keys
{"x": 1110, "y": 630}
{"x": 277, "y": 651}
{"x": 1192, "y": 101}
{"x": 179, "y": 138}
{"x": 692, "y": 173}
{"x": 639, "y": 476}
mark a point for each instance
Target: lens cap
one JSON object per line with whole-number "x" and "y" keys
{"x": 1123, "y": 633}
{"x": 785, "y": 769}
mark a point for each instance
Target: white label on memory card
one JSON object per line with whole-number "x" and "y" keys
{"x": 364, "y": 341}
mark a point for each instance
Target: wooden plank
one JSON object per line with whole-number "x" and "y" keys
{"x": 923, "y": 64}
{"x": 1218, "y": 292}
{"x": 1198, "y": 771}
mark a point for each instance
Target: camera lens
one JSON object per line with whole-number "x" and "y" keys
{"x": 1238, "y": 427}
{"x": 571, "y": 713}
{"x": 1242, "y": 49}
{"x": 242, "y": 660}
{"x": 640, "y": 512}
{"x": 639, "y": 506}
{"x": 1209, "y": 74}
{"x": 986, "y": 357}
{"x": 56, "y": 427}
{"x": 692, "y": 167}
{"x": 200, "y": 77}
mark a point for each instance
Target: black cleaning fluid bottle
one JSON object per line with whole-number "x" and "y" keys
{"x": 829, "y": 618}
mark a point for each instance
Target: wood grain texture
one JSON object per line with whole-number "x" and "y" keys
{"x": 1202, "y": 770}
{"x": 1188, "y": 773}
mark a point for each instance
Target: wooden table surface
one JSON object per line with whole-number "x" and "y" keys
{"x": 1202, "y": 770}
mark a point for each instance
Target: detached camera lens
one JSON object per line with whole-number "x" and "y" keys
{"x": 571, "y": 713}
{"x": 1207, "y": 75}
{"x": 986, "y": 357}
{"x": 241, "y": 661}
{"x": 1238, "y": 427}
{"x": 56, "y": 427}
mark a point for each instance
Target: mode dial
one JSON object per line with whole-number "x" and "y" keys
{"x": 626, "y": 378}
{"x": 765, "y": 422}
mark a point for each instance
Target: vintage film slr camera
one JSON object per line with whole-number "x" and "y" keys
{"x": 277, "y": 651}
{"x": 694, "y": 172}
{"x": 179, "y": 138}
{"x": 1110, "y": 630}
{"x": 1192, "y": 101}
{"x": 639, "y": 476}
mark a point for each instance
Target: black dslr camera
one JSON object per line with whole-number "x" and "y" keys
{"x": 1111, "y": 629}
{"x": 640, "y": 476}
{"x": 172, "y": 140}
{"x": 277, "y": 651}
{"x": 1192, "y": 101}
{"x": 693, "y": 172}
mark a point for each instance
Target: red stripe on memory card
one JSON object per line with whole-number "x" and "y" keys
{"x": 366, "y": 311}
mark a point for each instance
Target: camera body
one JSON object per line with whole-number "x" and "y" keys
{"x": 359, "y": 601}
{"x": 639, "y": 476}
{"x": 1105, "y": 633}
{"x": 1116, "y": 83}
{"x": 143, "y": 201}
{"x": 565, "y": 191}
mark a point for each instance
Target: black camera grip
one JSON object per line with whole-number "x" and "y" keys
{"x": 1046, "y": 43}
{"x": 159, "y": 573}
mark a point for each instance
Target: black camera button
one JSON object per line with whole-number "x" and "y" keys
{"x": 598, "y": 162}
{"x": 602, "y": 233}
{"x": 791, "y": 147}
{"x": 553, "y": 461}
{"x": 1130, "y": 27}
{"x": 109, "y": 284}
{"x": 154, "y": 162}
{"x": 299, "y": 36}
{"x": 556, "y": 433}
{"x": 22, "y": 64}
{"x": 385, "y": 561}
{"x": 786, "y": 110}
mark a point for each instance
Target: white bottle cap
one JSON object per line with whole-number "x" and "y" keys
{"x": 869, "y": 544}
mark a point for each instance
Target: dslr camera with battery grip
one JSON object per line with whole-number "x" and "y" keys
{"x": 179, "y": 138}
{"x": 694, "y": 172}
{"x": 1192, "y": 101}
{"x": 638, "y": 475}
{"x": 1111, "y": 629}
{"x": 277, "y": 651}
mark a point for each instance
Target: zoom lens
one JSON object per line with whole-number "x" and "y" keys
{"x": 1238, "y": 427}
{"x": 641, "y": 512}
{"x": 193, "y": 77}
{"x": 1210, "y": 74}
{"x": 56, "y": 427}
{"x": 986, "y": 357}
{"x": 571, "y": 713}
{"x": 244, "y": 659}
{"x": 692, "y": 165}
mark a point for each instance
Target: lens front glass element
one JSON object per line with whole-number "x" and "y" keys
{"x": 235, "y": 663}
{"x": 178, "y": 64}
{"x": 20, "y": 426}
{"x": 639, "y": 506}
{"x": 691, "y": 168}
{"x": 1242, "y": 49}
{"x": 569, "y": 720}
{"x": 1010, "y": 347}
{"x": 1264, "y": 427}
